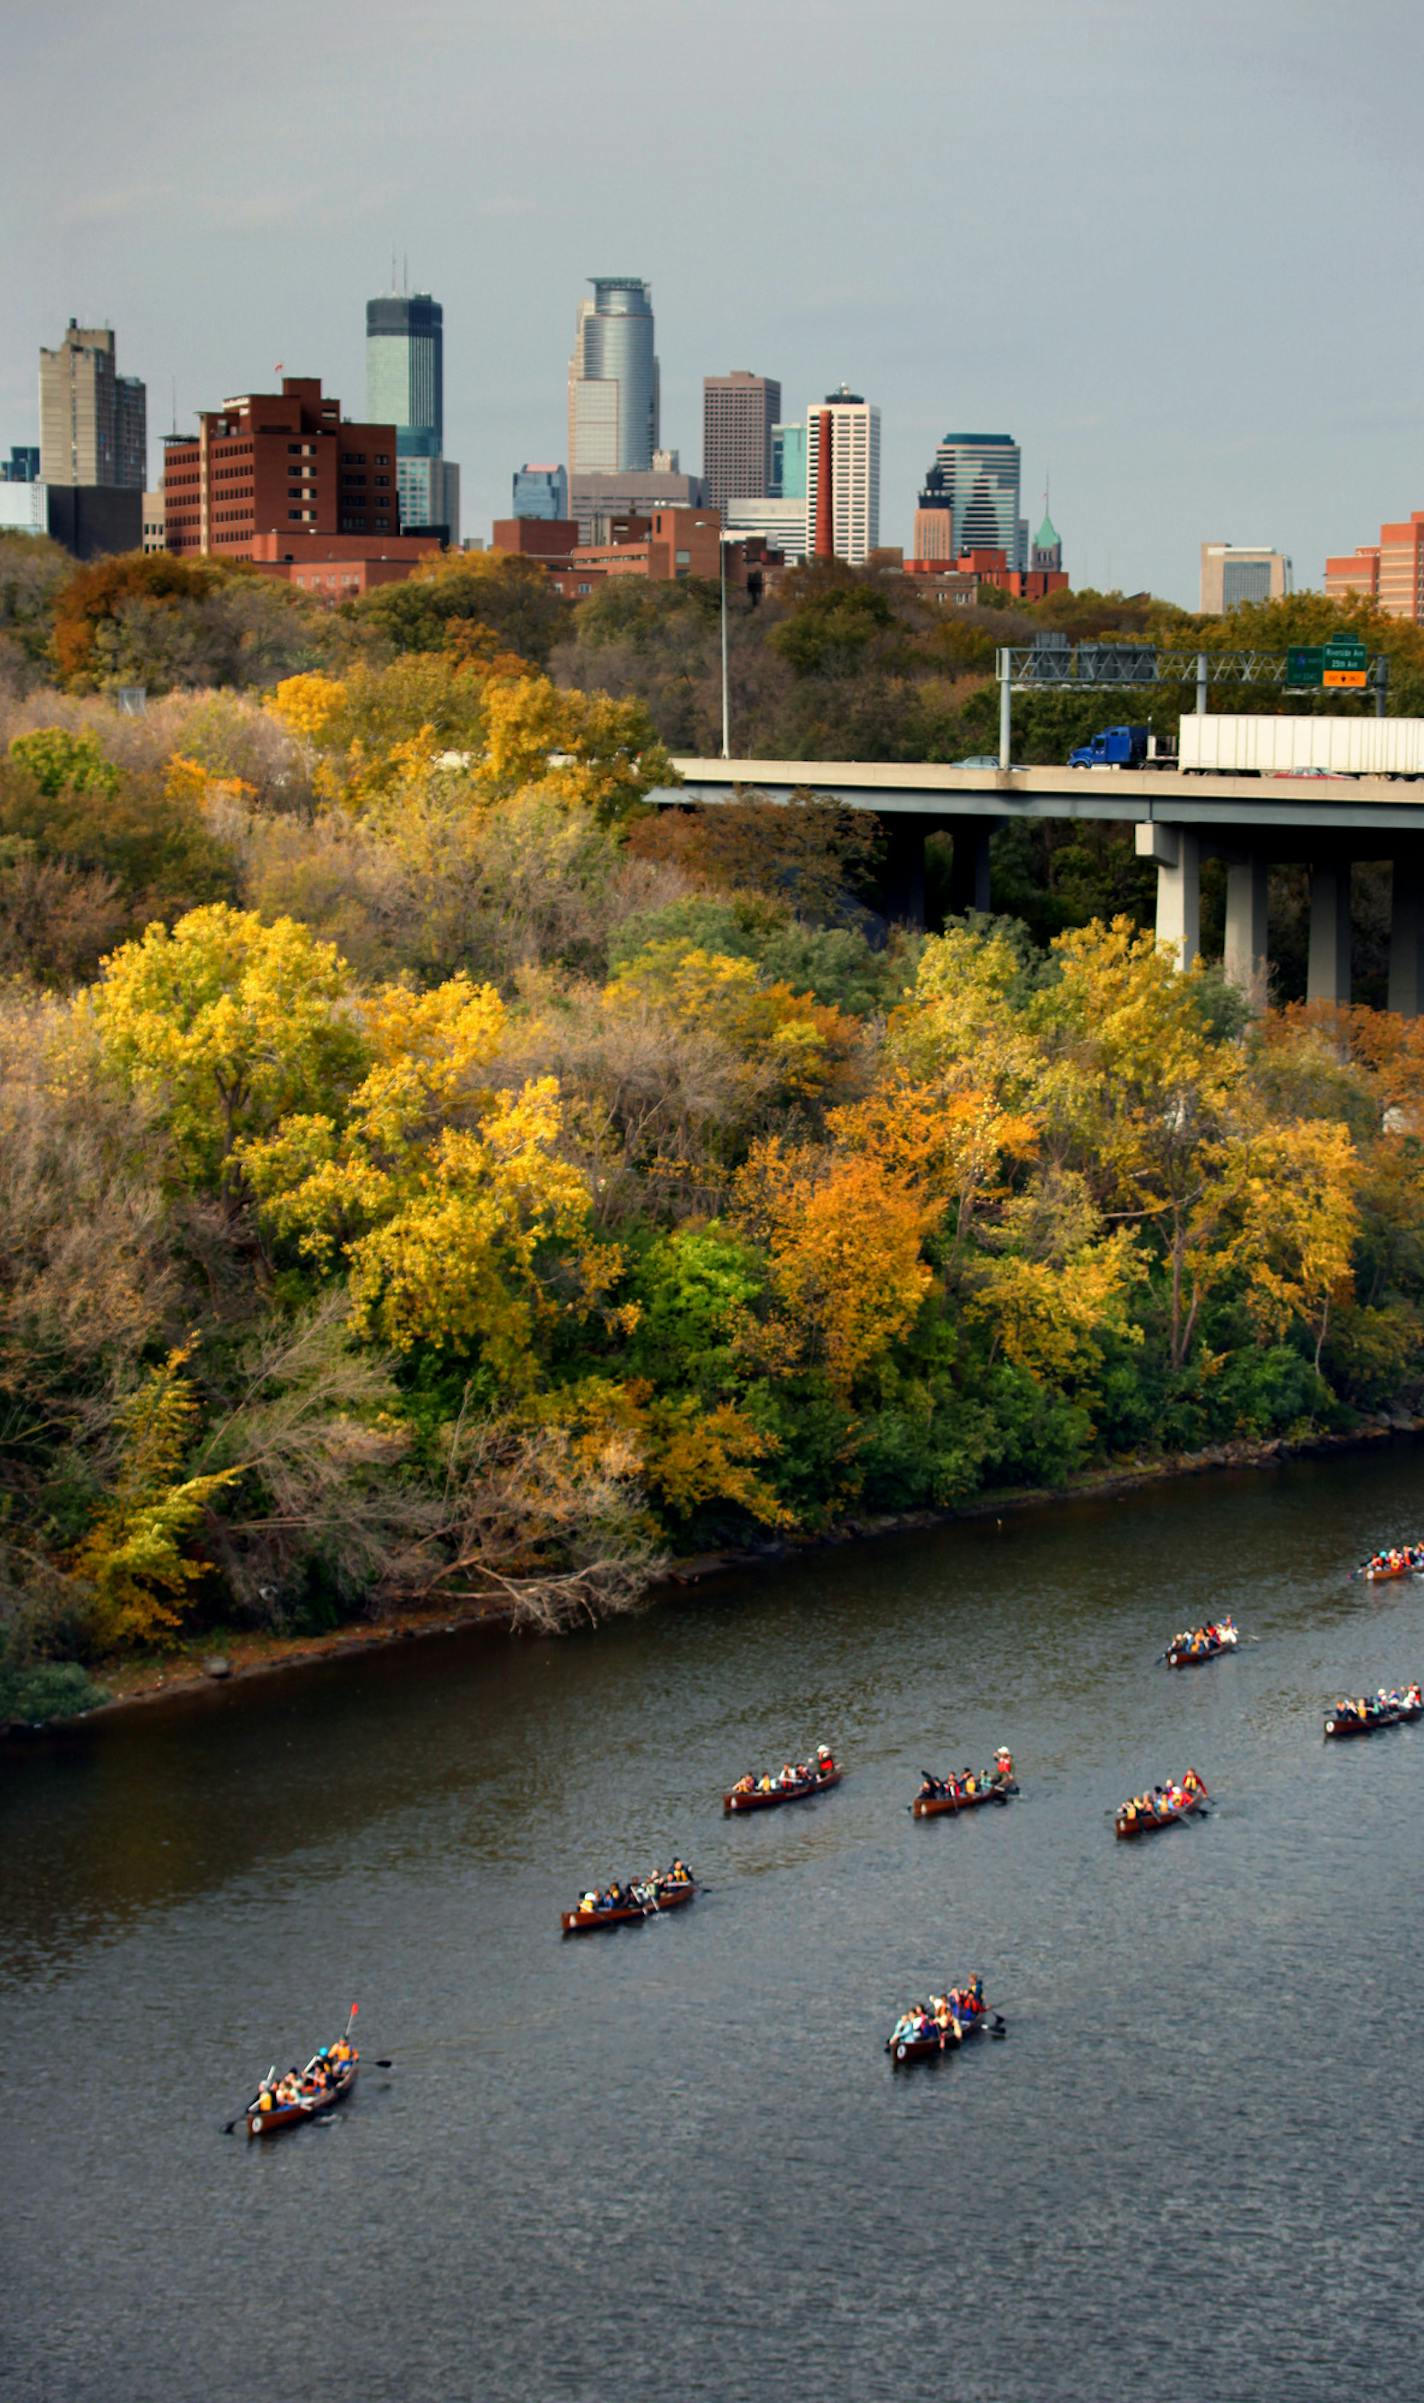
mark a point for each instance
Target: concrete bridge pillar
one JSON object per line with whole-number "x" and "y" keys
{"x": 1328, "y": 964}
{"x": 969, "y": 867}
{"x": 1177, "y": 851}
{"x": 1245, "y": 957}
{"x": 1406, "y": 935}
{"x": 900, "y": 883}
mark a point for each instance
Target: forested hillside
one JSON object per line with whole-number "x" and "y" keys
{"x": 427, "y": 1173}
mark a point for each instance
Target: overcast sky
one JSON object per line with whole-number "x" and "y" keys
{"x": 1175, "y": 251}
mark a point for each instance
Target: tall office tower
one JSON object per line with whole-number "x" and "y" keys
{"x": 934, "y": 521}
{"x": 541, "y": 491}
{"x": 788, "y": 462}
{"x": 93, "y": 421}
{"x": 738, "y": 413}
{"x": 842, "y": 478}
{"x": 613, "y": 380}
{"x": 405, "y": 386}
{"x": 1232, "y": 572}
{"x": 981, "y": 482}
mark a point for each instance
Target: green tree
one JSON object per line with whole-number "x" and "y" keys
{"x": 512, "y": 597}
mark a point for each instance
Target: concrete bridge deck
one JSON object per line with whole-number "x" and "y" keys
{"x": 1247, "y": 821}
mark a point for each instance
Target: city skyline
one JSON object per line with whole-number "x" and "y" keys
{"x": 1222, "y": 405}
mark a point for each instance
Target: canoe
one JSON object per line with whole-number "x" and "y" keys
{"x": 929, "y": 2048}
{"x": 1180, "y": 1658}
{"x": 939, "y": 1806}
{"x": 1390, "y": 1569}
{"x": 586, "y": 1923}
{"x": 779, "y": 1794}
{"x": 1142, "y": 1826}
{"x": 1398, "y": 1716}
{"x": 291, "y": 2115}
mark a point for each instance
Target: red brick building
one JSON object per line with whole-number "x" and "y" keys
{"x": 535, "y": 537}
{"x": 340, "y": 567}
{"x": 279, "y": 463}
{"x": 989, "y": 567}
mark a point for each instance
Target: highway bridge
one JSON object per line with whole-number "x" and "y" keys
{"x": 1328, "y": 822}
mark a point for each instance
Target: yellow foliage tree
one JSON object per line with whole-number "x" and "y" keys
{"x": 952, "y": 1140}
{"x": 306, "y": 705}
{"x": 806, "y": 1044}
{"x": 135, "y": 1557}
{"x": 441, "y": 1224}
{"x": 586, "y": 749}
{"x": 1292, "y": 1195}
{"x": 845, "y": 1239}
{"x": 227, "y": 1025}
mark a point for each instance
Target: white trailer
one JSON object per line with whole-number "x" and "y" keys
{"x": 1248, "y": 746}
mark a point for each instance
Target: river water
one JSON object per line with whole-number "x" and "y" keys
{"x": 674, "y": 2162}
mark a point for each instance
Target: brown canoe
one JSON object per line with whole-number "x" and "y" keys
{"x": 1181, "y": 1657}
{"x": 943, "y": 2040}
{"x": 1398, "y": 1715}
{"x": 938, "y": 1806}
{"x": 585, "y": 1923}
{"x": 1142, "y": 1825}
{"x": 292, "y": 2115}
{"x": 756, "y": 1801}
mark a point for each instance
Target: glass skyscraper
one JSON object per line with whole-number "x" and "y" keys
{"x": 405, "y": 387}
{"x": 613, "y": 380}
{"x": 978, "y": 480}
{"x": 540, "y": 491}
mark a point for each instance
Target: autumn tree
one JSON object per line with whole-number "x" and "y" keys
{"x": 513, "y": 597}
{"x": 225, "y": 1026}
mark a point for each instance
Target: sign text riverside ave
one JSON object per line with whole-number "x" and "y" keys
{"x": 1341, "y": 663}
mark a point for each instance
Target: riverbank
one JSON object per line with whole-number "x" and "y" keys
{"x": 223, "y": 1657}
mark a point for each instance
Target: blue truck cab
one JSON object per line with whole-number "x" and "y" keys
{"x": 1115, "y": 747}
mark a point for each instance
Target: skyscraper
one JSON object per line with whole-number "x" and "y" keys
{"x": 842, "y": 478}
{"x": 613, "y": 380}
{"x": 541, "y": 491}
{"x": 405, "y": 386}
{"x": 738, "y": 413}
{"x": 980, "y": 481}
{"x": 788, "y": 461}
{"x": 93, "y": 421}
{"x": 934, "y": 521}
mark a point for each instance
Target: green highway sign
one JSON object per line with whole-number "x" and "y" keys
{"x": 1341, "y": 661}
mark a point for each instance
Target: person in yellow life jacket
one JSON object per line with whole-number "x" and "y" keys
{"x": 264, "y": 2099}
{"x": 340, "y": 2051}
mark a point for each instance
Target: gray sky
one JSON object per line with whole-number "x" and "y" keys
{"x": 1175, "y": 251}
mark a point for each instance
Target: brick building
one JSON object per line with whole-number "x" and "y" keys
{"x": 339, "y": 567}
{"x": 1390, "y": 571}
{"x": 279, "y": 463}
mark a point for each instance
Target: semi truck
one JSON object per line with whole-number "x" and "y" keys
{"x": 1125, "y": 747}
{"x": 1302, "y": 746}
{"x": 1264, "y": 746}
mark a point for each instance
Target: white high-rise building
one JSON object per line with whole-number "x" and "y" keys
{"x": 842, "y": 478}
{"x": 613, "y": 380}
